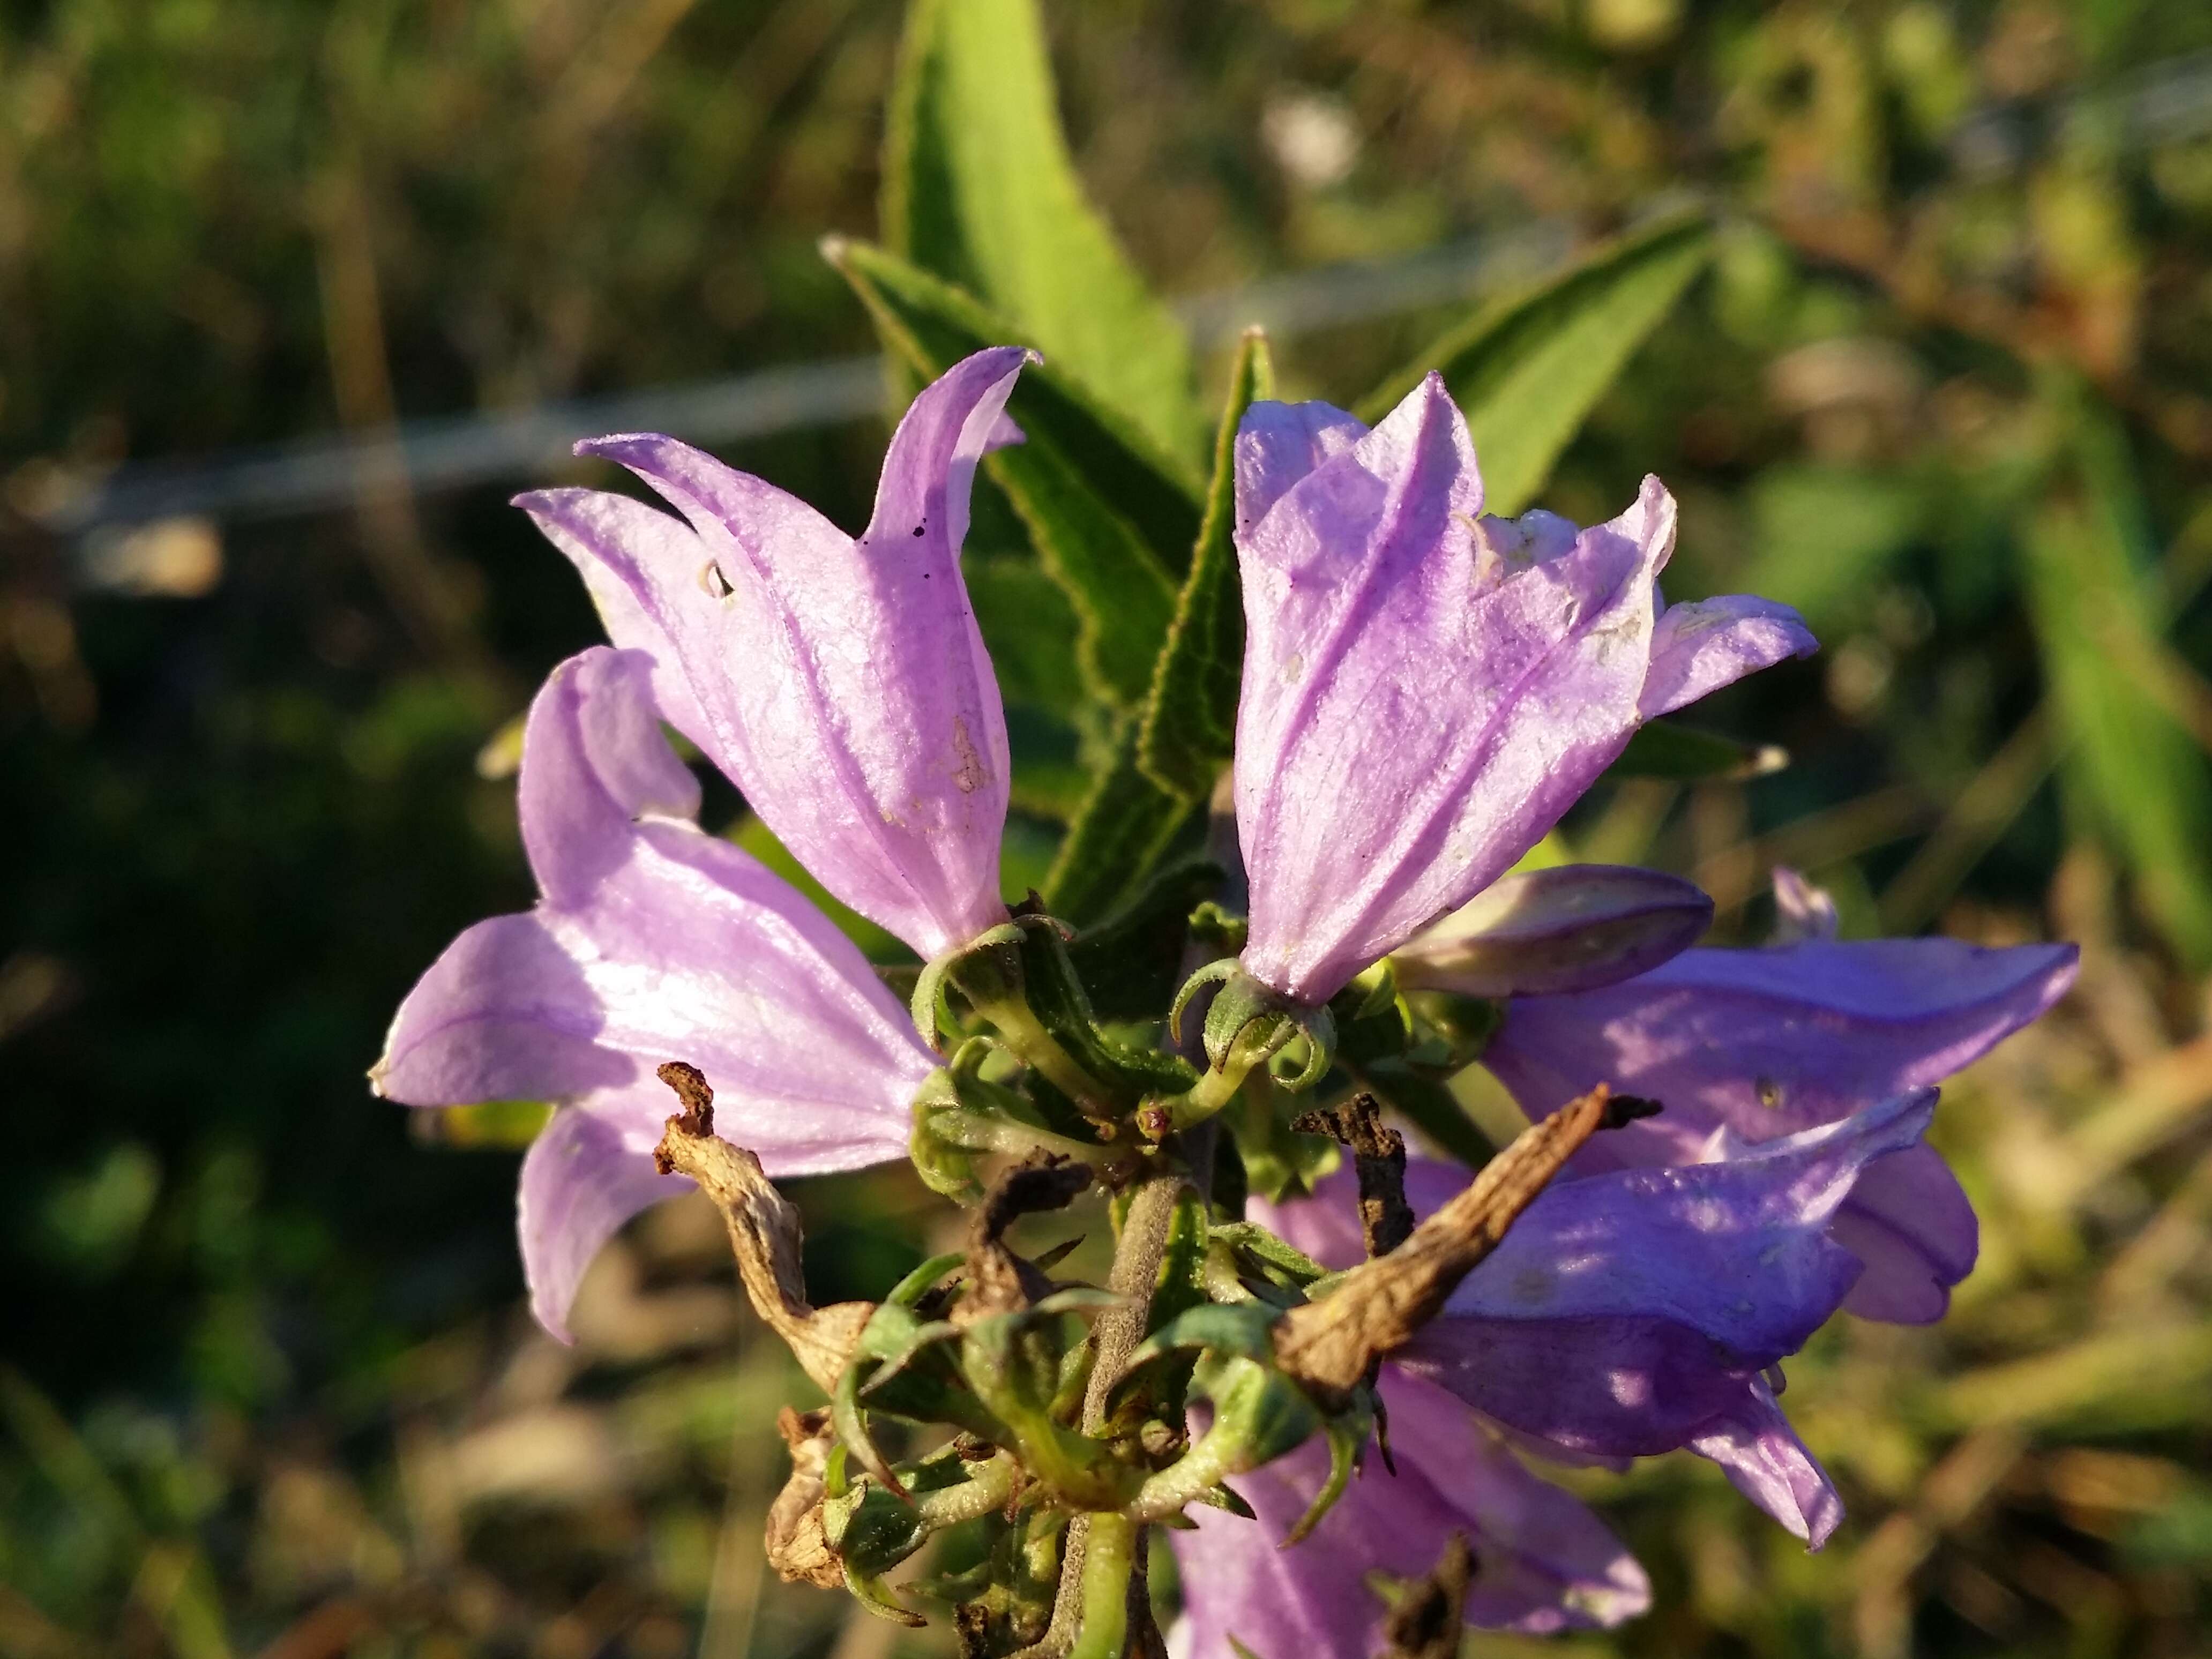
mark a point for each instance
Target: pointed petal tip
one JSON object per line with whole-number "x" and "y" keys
{"x": 618, "y": 446}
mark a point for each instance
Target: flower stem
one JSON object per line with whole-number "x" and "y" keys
{"x": 1109, "y": 1555}
{"x": 995, "y": 993}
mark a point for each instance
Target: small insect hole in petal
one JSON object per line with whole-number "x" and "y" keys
{"x": 716, "y": 583}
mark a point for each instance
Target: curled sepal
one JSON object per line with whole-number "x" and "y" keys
{"x": 1347, "y": 1435}
{"x": 871, "y": 1593}
{"x": 903, "y": 1364}
{"x": 1247, "y": 1022}
{"x": 946, "y": 1168}
{"x": 932, "y": 1018}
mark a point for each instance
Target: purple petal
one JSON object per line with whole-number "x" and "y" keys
{"x": 655, "y": 942}
{"x": 1768, "y": 1463}
{"x": 1278, "y": 444}
{"x": 1772, "y": 1040}
{"x": 1912, "y": 1225}
{"x": 1572, "y": 928}
{"x": 604, "y": 535}
{"x": 593, "y": 761}
{"x": 1698, "y": 648}
{"x": 1546, "y": 1562}
{"x": 1410, "y": 724}
{"x": 588, "y": 1172}
{"x": 843, "y": 685}
{"x": 1624, "y": 1312}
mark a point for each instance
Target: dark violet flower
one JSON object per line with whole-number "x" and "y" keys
{"x": 651, "y": 940}
{"x": 1774, "y": 1040}
{"x": 1425, "y": 690}
{"x": 841, "y": 684}
{"x": 1624, "y": 1315}
{"x": 1545, "y": 1562}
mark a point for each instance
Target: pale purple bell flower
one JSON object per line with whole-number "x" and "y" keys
{"x": 652, "y": 941}
{"x": 1426, "y": 690}
{"x": 841, "y": 683}
{"x": 1770, "y": 1040}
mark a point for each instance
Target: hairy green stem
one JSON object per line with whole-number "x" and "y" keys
{"x": 988, "y": 1486}
{"x": 973, "y": 1132}
{"x": 1109, "y": 1555}
{"x": 1134, "y": 1276}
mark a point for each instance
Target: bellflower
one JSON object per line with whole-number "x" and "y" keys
{"x": 1545, "y": 1562}
{"x": 1774, "y": 1040}
{"x": 652, "y": 941}
{"x": 842, "y": 683}
{"x": 1625, "y": 1314}
{"x": 1426, "y": 690}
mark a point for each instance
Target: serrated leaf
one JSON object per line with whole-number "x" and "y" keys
{"x": 1113, "y": 518}
{"x": 1528, "y": 367}
{"x": 2132, "y": 771}
{"x": 1189, "y": 730}
{"x": 978, "y": 188}
{"x": 1661, "y": 748}
{"x": 1126, "y": 822}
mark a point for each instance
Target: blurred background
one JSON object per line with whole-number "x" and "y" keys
{"x": 292, "y": 296}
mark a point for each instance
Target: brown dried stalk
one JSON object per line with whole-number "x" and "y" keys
{"x": 1382, "y": 1305}
{"x": 1378, "y": 1158}
{"x": 764, "y": 1231}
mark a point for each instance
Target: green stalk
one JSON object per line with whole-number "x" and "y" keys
{"x": 997, "y": 996}
{"x": 1109, "y": 1555}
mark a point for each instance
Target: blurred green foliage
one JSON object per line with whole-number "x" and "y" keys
{"x": 1940, "y": 373}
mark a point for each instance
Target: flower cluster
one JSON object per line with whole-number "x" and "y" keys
{"x": 1316, "y": 1379}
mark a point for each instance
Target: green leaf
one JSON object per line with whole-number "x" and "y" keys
{"x": 978, "y": 188}
{"x": 1661, "y": 748}
{"x": 1113, "y": 519}
{"x": 1189, "y": 730}
{"x": 2132, "y": 771}
{"x": 1126, "y": 825}
{"x": 1528, "y": 367}
{"x": 1131, "y": 962}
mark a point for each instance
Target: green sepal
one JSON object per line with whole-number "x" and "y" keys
{"x": 1057, "y": 997}
{"x": 872, "y": 1594}
{"x": 1257, "y": 1411}
{"x": 1257, "y": 1242}
{"x": 1347, "y": 1435}
{"x": 873, "y": 1531}
{"x": 932, "y": 1016}
{"x": 945, "y": 1168}
{"x": 911, "y": 1289}
{"x": 1012, "y": 1362}
{"x": 1225, "y": 1497}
